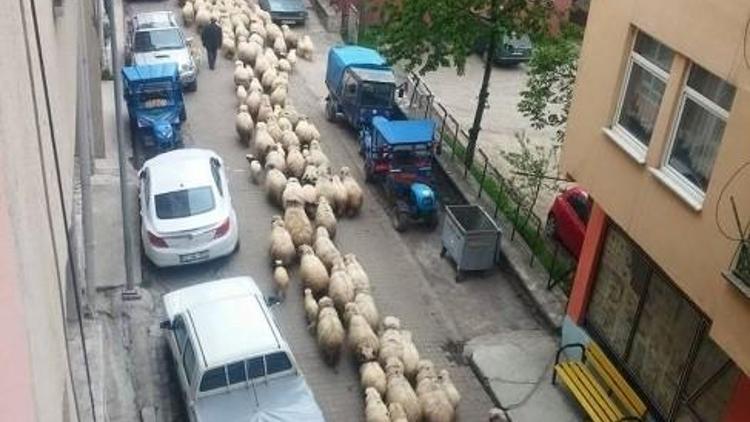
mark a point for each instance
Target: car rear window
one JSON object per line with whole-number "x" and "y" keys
{"x": 184, "y": 203}
{"x": 155, "y": 40}
{"x": 277, "y": 362}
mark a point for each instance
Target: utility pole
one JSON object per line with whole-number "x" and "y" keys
{"x": 130, "y": 292}
{"x": 484, "y": 90}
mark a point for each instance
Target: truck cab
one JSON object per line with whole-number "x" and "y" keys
{"x": 232, "y": 362}
{"x": 361, "y": 86}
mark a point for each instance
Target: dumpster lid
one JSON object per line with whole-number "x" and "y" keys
{"x": 150, "y": 72}
{"x": 404, "y": 131}
{"x": 471, "y": 218}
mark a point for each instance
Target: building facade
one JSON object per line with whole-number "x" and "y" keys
{"x": 47, "y": 44}
{"x": 659, "y": 134}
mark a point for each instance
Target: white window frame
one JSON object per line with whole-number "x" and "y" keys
{"x": 619, "y": 134}
{"x": 684, "y": 188}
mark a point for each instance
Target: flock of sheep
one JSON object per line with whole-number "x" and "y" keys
{"x": 288, "y": 160}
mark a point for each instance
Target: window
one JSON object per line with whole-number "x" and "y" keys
{"x": 581, "y": 206}
{"x": 350, "y": 86}
{"x": 216, "y": 173}
{"x": 213, "y": 379}
{"x": 180, "y": 332}
{"x": 645, "y": 81}
{"x": 255, "y": 368}
{"x": 155, "y": 40}
{"x": 704, "y": 108}
{"x": 376, "y": 95}
{"x": 184, "y": 203}
{"x": 742, "y": 262}
{"x": 188, "y": 362}
{"x": 277, "y": 362}
{"x": 236, "y": 372}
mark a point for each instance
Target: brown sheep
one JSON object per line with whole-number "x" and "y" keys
{"x": 367, "y": 308}
{"x": 371, "y": 375}
{"x": 340, "y": 288}
{"x": 325, "y": 217}
{"x": 282, "y": 247}
{"x": 361, "y": 339}
{"x": 330, "y": 331}
{"x": 375, "y": 409}
{"x": 298, "y": 224}
{"x": 324, "y": 248}
{"x": 311, "y": 309}
{"x": 359, "y": 277}
{"x": 312, "y": 272}
{"x": 280, "y": 279}
{"x": 354, "y": 196}
{"x": 400, "y": 391}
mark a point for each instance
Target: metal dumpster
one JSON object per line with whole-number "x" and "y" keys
{"x": 471, "y": 238}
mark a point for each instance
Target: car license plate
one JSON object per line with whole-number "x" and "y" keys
{"x": 288, "y": 22}
{"x": 193, "y": 257}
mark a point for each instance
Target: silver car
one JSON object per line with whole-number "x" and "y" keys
{"x": 155, "y": 37}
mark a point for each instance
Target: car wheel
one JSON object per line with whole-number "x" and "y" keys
{"x": 192, "y": 87}
{"x": 330, "y": 111}
{"x": 550, "y": 228}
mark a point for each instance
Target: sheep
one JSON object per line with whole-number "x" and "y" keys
{"x": 282, "y": 80}
{"x": 326, "y": 189}
{"x": 274, "y": 129}
{"x": 242, "y": 75}
{"x": 241, "y": 94}
{"x": 284, "y": 66}
{"x": 243, "y": 123}
{"x": 202, "y": 17}
{"x": 275, "y": 155}
{"x": 292, "y": 57}
{"x": 279, "y": 46}
{"x": 261, "y": 64}
{"x": 273, "y": 32}
{"x": 248, "y": 51}
{"x": 256, "y": 170}
{"x": 371, "y": 375}
{"x": 311, "y": 174}
{"x": 324, "y": 217}
{"x": 311, "y": 197}
{"x": 305, "y": 48}
{"x": 278, "y": 96}
{"x": 324, "y": 247}
{"x": 375, "y": 409}
{"x": 267, "y": 78}
{"x": 354, "y": 196}
{"x": 367, "y": 308}
{"x": 290, "y": 36}
{"x": 425, "y": 370}
{"x": 399, "y": 390}
{"x": 290, "y": 113}
{"x": 312, "y": 272}
{"x": 282, "y": 247}
{"x": 330, "y": 331}
{"x": 311, "y": 309}
{"x": 359, "y": 277}
{"x": 295, "y": 162}
{"x": 265, "y": 111}
{"x": 436, "y": 407}
{"x": 445, "y": 382}
{"x": 339, "y": 194}
{"x": 340, "y": 288}
{"x": 390, "y": 323}
{"x": 280, "y": 279}
{"x": 361, "y": 338}
{"x": 398, "y": 414}
{"x": 284, "y": 123}
{"x": 252, "y": 101}
{"x": 188, "y": 14}
{"x": 317, "y": 157}
{"x": 304, "y": 131}
{"x": 292, "y": 193}
{"x": 270, "y": 57}
{"x": 258, "y": 28}
{"x": 257, "y": 39}
{"x": 390, "y": 346}
{"x": 298, "y": 223}
{"x": 275, "y": 183}
{"x": 410, "y": 355}
{"x": 263, "y": 141}
{"x": 255, "y": 85}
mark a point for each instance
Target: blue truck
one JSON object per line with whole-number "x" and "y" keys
{"x": 398, "y": 152}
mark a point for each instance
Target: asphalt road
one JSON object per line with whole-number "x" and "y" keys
{"x": 410, "y": 280}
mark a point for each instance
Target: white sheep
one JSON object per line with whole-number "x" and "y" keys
{"x": 188, "y": 14}
{"x": 298, "y": 223}
{"x": 241, "y": 94}
{"x": 292, "y": 57}
{"x": 280, "y": 279}
{"x": 390, "y": 322}
{"x": 270, "y": 57}
{"x": 243, "y": 123}
{"x": 410, "y": 355}
{"x": 311, "y": 197}
{"x": 311, "y": 173}
{"x": 261, "y": 64}
{"x": 275, "y": 155}
{"x": 330, "y": 331}
{"x": 312, "y": 272}
{"x": 390, "y": 346}
{"x": 324, "y": 247}
{"x": 326, "y": 190}
{"x": 400, "y": 391}
{"x": 305, "y": 48}
{"x": 290, "y": 36}
{"x": 227, "y": 46}
{"x": 375, "y": 409}
{"x": 339, "y": 194}
{"x": 311, "y": 309}
{"x": 284, "y": 66}
{"x": 252, "y": 101}
{"x": 425, "y": 370}
{"x": 436, "y": 407}
{"x": 274, "y": 129}
{"x": 371, "y": 375}
{"x": 258, "y": 28}
{"x": 278, "y": 96}
{"x": 275, "y": 184}
{"x": 295, "y": 162}
{"x": 290, "y": 113}
{"x": 445, "y": 382}
{"x": 249, "y": 51}
{"x": 367, "y": 308}
{"x": 202, "y": 17}
{"x": 284, "y": 123}
{"x": 279, "y": 46}
{"x": 242, "y": 74}
{"x": 255, "y": 85}
{"x": 263, "y": 141}
{"x": 340, "y": 288}
{"x": 257, "y": 39}
{"x": 361, "y": 338}
{"x": 354, "y": 196}
{"x": 357, "y": 273}
{"x": 292, "y": 193}
{"x": 317, "y": 157}
{"x": 398, "y": 414}
{"x": 304, "y": 131}
{"x": 265, "y": 111}
{"x": 256, "y": 169}
{"x": 267, "y": 78}
{"x": 282, "y": 247}
{"x": 324, "y": 217}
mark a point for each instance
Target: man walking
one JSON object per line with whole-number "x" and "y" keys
{"x": 211, "y": 37}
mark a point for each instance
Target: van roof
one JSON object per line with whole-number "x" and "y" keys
{"x": 154, "y": 20}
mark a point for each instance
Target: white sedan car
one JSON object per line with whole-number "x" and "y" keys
{"x": 186, "y": 209}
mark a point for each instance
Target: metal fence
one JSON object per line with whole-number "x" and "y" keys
{"x": 516, "y": 207}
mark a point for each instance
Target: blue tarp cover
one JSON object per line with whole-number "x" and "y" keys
{"x": 150, "y": 72}
{"x": 404, "y": 131}
{"x": 339, "y": 58}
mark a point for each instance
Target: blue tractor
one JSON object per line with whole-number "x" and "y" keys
{"x": 399, "y": 154}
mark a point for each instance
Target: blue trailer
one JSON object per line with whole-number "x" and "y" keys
{"x": 361, "y": 85}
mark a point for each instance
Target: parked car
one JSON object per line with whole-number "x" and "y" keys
{"x": 513, "y": 49}
{"x": 568, "y": 217}
{"x": 290, "y": 12}
{"x": 232, "y": 361}
{"x": 156, "y": 37}
{"x": 186, "y": 208}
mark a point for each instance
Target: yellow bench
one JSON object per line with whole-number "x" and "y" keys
{"x": 597, "y": 385}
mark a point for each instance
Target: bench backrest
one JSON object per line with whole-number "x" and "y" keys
{"x": 608, "y": 374}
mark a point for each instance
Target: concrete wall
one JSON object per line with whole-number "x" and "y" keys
{"x": 37, "y": 120}
{"x": 684, "y": 242}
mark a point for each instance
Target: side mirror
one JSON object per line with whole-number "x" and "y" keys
{"x": 165, "y": 325}
{"x": 401, "y": 92}
{"x": 272, "y": 301}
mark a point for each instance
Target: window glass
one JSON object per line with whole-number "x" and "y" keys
{"x": 184, "y": 203}
{"x": 155, "y": 40}
{"x": 376, "y": 95}
{"x": 216, "y": 173}
{"x": 180, "y": 332}
{"x": 255, "y": 368}
{"x": 213, "y": 379}
{"x": 742, "y": 263}
{"x": 188, "y": 362}
{"x": 580, "y": 205}
{"x": 641, "y": 103}
{"x": 654, "y": 51}
{"x": 236, "y": 372}
{"x": 277, "y": 362}
{"x": 711, "y": 87}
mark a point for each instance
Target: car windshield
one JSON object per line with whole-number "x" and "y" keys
{"x": 184, "y": 203}
{"x": 155, "y": 40}
{"x": 376, "y": 95}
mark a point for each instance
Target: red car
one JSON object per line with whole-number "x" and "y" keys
{"x": 567, "y": 219}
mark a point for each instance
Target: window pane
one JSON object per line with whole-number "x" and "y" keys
{"x": 236, "y": 372}
{"x": 184, "y": 203}
{"x": 742, "y": 264}
{"x": 255, "y": 368}
{"x": 213, "y": 379}
{"x": 188, "y": 362}
{"x": 617, "y": 289}
{"x": 696, "y": 143}
{"x": 180, "y": 332}
{"x": 641, "y": 103}
{"x": 278, "y": 362}
{"x": 711, "y": 87}
{"x": 656, "y": 52}
{"x": 661, "y": 345}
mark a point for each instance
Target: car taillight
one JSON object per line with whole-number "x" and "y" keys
{"x": 222, "y": 229}
{"x": 157, "y": 241}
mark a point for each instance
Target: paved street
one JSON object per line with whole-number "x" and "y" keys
{"x": 410, "y": 280}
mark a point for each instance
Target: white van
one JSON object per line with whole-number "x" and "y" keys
{"x": 232, "y": 362}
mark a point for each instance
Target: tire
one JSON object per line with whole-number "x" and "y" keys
{"x": 402, "y": 221}
{"x": 192, "y": 86}
{"x": 330, "y": 111}
{"x": 550, "y": 228}
{"x": 432, "y": 221}
{"x": 369, "y": 177}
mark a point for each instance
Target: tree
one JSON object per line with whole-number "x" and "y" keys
{"x": 427, "y": 34}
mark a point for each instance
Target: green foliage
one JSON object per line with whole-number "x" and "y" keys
{"x": 533, "y": 164}
{"x": 427, "y": 34}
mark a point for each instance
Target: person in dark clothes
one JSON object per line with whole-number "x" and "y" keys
{"x": 211, "y": 37}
